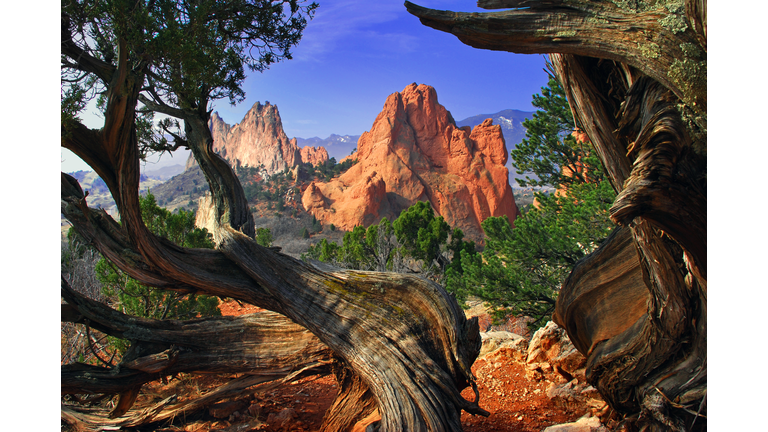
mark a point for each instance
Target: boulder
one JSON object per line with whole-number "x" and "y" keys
{"x": 588, "y": 423}
{"x": 503, "y": 344}
{"x": 551, "y": 351}
{"x": 574, "y": 395}
{"x": 551, "y": 355}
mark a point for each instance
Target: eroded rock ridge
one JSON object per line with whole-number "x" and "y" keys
{"x": 415, "y": 152}
{"x": 259, "y": 139}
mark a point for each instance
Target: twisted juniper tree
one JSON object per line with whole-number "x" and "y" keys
{"x": 399, "y": 343}
{"x": 635, "y": 76}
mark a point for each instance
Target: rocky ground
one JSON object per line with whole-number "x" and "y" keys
{"x": 523, "y": 383}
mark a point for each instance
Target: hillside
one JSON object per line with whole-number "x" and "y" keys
{"x": 164, "y": 172}
{"x": 182, "y": 190}
{"x": 98, "y": 194}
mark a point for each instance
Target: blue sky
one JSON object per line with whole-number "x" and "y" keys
{"x": 354, "y": 54}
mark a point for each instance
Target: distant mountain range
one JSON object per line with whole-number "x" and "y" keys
{"x": 164, "y": 173}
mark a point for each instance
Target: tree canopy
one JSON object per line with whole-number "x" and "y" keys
{"x": 188, "y": 54}
{"x": 417, "y": 241}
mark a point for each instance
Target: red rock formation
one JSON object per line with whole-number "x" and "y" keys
{"x": 259, "y": 139}
{"x": 414, "y": 152}
{"x": 314, "y": 155}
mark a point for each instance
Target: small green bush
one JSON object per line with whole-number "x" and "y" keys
{"x": 131, "y": 297}
{"x": 264, "y": 237}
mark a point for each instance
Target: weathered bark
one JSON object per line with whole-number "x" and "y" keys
{"x": 403, "y": 337}
{"x": 635, "y": 355}
{"x": 266, "y": 346}
{"x": 604, "y": 295}
{"x": 660, "y": 361}
{"x": 353, "y": 403}
{"x": 168, "y": 408}
{"x": 635, "y": 76}
{"x": 265, "y": 343}
{"x": 667, "y": 186}
{"x": 658, "y": 40}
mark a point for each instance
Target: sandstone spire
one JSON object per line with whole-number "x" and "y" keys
{"x": 314, "y": 155}
{"x": 415, "y": 152}
{"x": 259, "y": 139}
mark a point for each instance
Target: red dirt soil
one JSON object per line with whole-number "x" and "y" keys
{"x": 516, "y": 403}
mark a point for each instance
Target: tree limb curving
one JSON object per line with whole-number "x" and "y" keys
{"x": 651, "y": 40}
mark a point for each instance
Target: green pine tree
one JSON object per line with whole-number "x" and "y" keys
{"x": 264, "y": 237}
{"x": 521, "y": 269}
{"x": 549, "y": 150}
{"x": 421, "y": 233}
{"x": 416, "y": 236}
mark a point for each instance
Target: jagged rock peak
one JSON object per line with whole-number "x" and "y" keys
{"x": 415, "y": 152}
{"x": 259, "y": 139}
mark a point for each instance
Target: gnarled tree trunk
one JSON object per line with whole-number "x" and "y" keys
{"x": 635, "y": 76}
{"x": 263, "y": 343}
{"x": 266, "y": 346}
{"x": 404, "y": 343}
